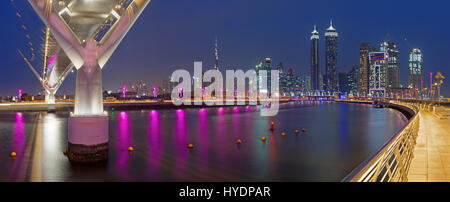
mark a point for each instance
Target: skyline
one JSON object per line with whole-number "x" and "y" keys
{"x": 252, "y": 85}
{"x": 257, "y": 36}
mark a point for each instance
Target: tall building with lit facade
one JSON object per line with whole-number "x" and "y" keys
{"x": 377, "y": 75}
{"x": 291, "y": 81}
{"x": 216, "y": 54}
{"x": 393, "y": 66}
{"x": 415, "y": 69}
{"x": 364, "y": 68}
{"x": 306, "y": 82}
{"x": 331, "y": 46}
{"x": 283, "y": 80}
{"x": 315, "y": 71}
{"x": 265, "y": 64}
{"x": 353, "y": 81}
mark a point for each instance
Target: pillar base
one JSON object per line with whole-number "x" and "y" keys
{"x": 88, "y": 138}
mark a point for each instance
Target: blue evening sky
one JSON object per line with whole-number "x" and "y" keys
{"x": 171, "y": 34}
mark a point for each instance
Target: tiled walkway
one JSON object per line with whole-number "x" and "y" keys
{"x": 431, "y": 162}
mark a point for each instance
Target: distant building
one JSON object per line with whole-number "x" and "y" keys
{"x": 141, "y": 89}
{"x": 284, "y": 91}
{"x": 216, "y": 54}
{"x": 343, "y": 82}
{"x": 291, "y": 82}
{"x": 265, "y": 64}
{"x": 377, "y": 78}
{"x": 353, "y": 81}
{"x": 393, "y": 66}
{"x": 298, "y": 88}
{"x": 416, "y": 69}
{"x": 364, "y": 70}
{"x": 280, "y": 68}
{"x": 331, "y": 73}
{"x": 306, "y": 82}
{"x": 315, "y": 71}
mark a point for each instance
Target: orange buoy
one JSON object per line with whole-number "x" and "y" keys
{"x": 296, "y": 131}
{"x": 190, "y": 146}
{"x": 239, "y": 141}
{"x": 283, "y": 134}
{"x": 130, "y": 149}
{"x": 263, "y": 139}
{"x": 65, "y": 152}
{"x": 13, "y": 154}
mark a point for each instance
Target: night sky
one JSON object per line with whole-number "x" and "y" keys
{"x": 171, "y": 34}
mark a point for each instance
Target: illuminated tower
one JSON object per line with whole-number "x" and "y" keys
{"x": 264, "y": 81}
{"x": 331, "y": 75}
{"x": 89, "y": 32}
{"x": 416, "y": 69}
{"x": 377, "y": 73}
{"x": 393, "y": 66}
{"x": 364, "y": 68}
{"x": 315, "y": 71}
{"x": 216, "y": 54}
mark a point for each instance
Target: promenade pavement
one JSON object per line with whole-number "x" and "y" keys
{"x": 431, "y": 162}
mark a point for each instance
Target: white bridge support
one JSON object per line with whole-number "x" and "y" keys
{"x": 50, "y": 97}
{"x": 75, "y": 24}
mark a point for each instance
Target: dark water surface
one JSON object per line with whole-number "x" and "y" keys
{"x": 339, "y": 137}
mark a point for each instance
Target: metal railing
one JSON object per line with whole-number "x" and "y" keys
{"x": 391, "y": 163}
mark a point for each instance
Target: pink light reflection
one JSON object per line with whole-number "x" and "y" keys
{"x": 123, "y": 141}
{"x": 154, "y": 143}
{"x": 248, "y": 109}
{"x": 181, "y": 142}
{"x": 18, "y": 144}
{"x": 221, "y": 111}
{"x": 236, "y": 110}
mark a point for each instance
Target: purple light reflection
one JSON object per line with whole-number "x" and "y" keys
{"x": 248, "y": 109}
{"x": 154, "y": 143}
{"x": 236, "y": 110}
{"x": 18, "y": 144}
{"x": 221, "y": 111}
{"x": 123, "y": 141}
{"x": 181, "y": 142}
{"x": 203, "y": 139}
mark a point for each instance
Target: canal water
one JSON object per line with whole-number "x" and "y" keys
{"x": 339, "y": 137}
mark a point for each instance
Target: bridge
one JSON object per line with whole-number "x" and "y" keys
{"x": 89, "y": 32}
{"x": 419, "y": 152}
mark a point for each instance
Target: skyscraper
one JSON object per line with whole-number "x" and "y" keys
{"x": 364, "y": 51}
{"x": 284, "y": 91}
{"x": 315, "y": 85}
{"x": 377, "y": 73}
{"x": 415, "y": 69}
{"x": 265, "y": 64}
{"x": 290, "y": 81}
{"x": 353, "y": 80}
{"x": 216, "y": 54}
{"x": 393, "y": 64}
{"x": 331, "y": 43}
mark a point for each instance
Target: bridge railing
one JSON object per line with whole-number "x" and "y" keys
{"x": 391, "y": 163}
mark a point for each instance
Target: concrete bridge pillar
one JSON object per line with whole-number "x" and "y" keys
{"x": 89, "y": 124}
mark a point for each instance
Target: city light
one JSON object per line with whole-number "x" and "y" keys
{"x": 348, "y": 96}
